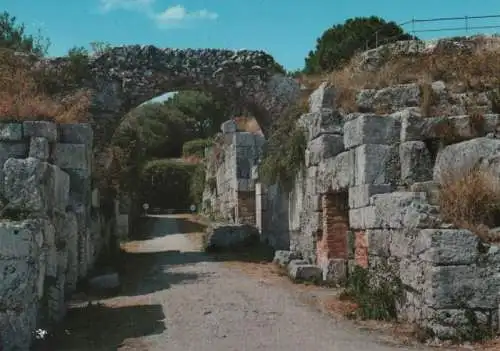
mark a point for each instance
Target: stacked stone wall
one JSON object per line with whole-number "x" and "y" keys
{"x": 51, "y": 227}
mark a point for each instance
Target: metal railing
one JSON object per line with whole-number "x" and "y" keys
{"x": 414, "y": 28}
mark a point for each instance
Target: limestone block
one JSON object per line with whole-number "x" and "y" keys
{"x": 447, "y": 246}
{"x": 378, "y": 242}
{"x": 35, "y": 186}
{"x": 323, "y": 147}
{"x": 416, "y": 163}
{"x": 39, "y": 148}
{"x": 76, "y": 133}
{"x": 392, "y": 98}
{"x": 336, "y": 173}
{"x": 49, "y": 248}
{"x": 461, "y": 157}
{"x": 375, "y": 164}
{"x": 43, "y": 129}
{"x": 80, "y": 185}
{"x": 20, "y": 240}
{"x": 359, "y": 196}
{"x": 11, "y": 150}
{"x": 244, "y": 139}
{"x": 71, "y": 156}
{"x": 395, "y": 210}
{"x": 11, "y": 131}
{"x": 411, "y": 123}
{"x": 325, "y": 121}
{"x": 466, "y": 285}
{"x": 402, "y": 242}
{"x": 322, "y": 97}
{"x": 18, "y": 279}
{"x": 371, "y": 129}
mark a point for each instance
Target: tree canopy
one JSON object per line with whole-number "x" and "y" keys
{"x": 13, "y": 36}
{"x": 338, "y": 44}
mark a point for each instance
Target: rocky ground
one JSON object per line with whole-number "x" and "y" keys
{"x": 176, "y": 298}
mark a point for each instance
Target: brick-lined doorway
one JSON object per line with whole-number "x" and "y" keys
{"x": 332, "y": 243}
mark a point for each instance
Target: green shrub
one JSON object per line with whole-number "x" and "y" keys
{"x": 166, "y": 183}
{"x": 196, "y": 147}
{"x": 197, "y": 184}
{"x": 375, "y": 301}
{"x": 284, "y": 154}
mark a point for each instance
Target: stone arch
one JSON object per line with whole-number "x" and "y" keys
{"x": 125, "y": 77}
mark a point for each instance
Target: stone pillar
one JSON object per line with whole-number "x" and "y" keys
{"x": 259, "y": 207}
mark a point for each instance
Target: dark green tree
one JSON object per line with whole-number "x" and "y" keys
{"x": 338, "y": 44}
{"x": 13, "y": 36}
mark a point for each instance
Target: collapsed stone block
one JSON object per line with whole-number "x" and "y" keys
{"x": 42, "y": 129}
{"x": 359, "y": 196}
{"x": 411, "y": 123}
{"x": 416, "y": 163}
{"x": 20, "y": 240}
{"x": 227, "y": 236}
{"x": 430, "y": 188}
{"x": 11, "y": 131}
{"x": 305, "y": 272}
{"x": 323, "y": 147}
{"x": 39, "y": 148}
{"x": 371, "y": 129}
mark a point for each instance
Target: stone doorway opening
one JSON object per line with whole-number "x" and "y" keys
{"x": 332, "y": 243}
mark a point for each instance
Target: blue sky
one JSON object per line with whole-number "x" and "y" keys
{"x": 287, "y": 29}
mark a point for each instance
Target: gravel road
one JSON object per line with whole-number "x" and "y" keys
{"x": 176, "y": 298}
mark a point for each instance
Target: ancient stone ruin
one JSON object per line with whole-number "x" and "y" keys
{"x": 367, "y": 197}
{"x": 54, "y": 226}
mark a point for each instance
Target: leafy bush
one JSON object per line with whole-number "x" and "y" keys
{"x": 337, "y": 45}
{"x": 471, "y": 200}
{"x": 166, "y": 183}
{"x": 284, "y": 154}
{"x": 196, "y": 148}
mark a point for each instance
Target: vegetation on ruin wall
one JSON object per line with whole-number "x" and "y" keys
{"x": 284, "y": 154}
{"x": 471, "y": 199}
{"x": 23, "y": 93}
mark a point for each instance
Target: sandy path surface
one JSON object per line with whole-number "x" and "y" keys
{"x": 177, "y": 298}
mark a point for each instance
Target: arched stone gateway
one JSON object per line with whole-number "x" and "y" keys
{"x": 125, "y": 77}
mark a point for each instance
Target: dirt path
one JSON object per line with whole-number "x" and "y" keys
{"x": 178, "y": 299}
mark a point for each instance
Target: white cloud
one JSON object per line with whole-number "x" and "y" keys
{"x": 172, "y": 17}
{"x": 178, "y": 16}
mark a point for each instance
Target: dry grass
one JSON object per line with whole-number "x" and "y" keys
{"x": 247, "y": 124}
{"x": 461, "y": 71}
{"x": 23, "y": 98}
{"x": 471, "y": 200}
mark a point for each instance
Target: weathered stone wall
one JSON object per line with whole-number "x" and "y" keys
{"x": 51, "y": 226}
{"x": 230, "y": 164}
{"x": 390, "y": 167}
